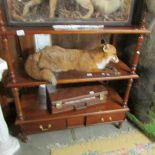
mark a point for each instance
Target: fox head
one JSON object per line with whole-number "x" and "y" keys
{"x": 110, "y": 52}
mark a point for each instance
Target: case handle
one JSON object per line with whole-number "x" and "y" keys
{"x": 80, "y": 107}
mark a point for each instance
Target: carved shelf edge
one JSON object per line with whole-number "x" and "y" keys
{"x": 23, "y": 80}
{"x": 106, "y": 30}
{"x": 35, "y": 111}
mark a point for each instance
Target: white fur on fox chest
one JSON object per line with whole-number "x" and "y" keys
{"x": 103, "y": 63}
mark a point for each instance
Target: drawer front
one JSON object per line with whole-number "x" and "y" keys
{"x": 43, "y": 126}
{"x": 103, "y": 118}
{"x": 75, "y": 122}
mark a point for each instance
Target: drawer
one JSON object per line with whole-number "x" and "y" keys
{"x": 75, "y": 122}
{"x": 43, "y": 126}
{"x": 103, "y": 118}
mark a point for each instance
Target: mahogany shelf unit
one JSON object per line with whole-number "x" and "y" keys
{"x": 32, "y": 113}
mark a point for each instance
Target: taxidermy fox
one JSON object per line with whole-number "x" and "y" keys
{"x": 105, "y": 7}
{"x": 53, "y": 59}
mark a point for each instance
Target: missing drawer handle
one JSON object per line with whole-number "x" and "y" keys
{"x": 45, "y": 129}
{"x": 102, "y": 119}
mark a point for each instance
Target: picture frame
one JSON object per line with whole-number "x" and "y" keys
{"x": 36, "y": 18}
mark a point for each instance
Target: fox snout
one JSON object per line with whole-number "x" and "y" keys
{"x": 115, "y": 59}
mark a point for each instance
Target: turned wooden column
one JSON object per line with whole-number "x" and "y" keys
{"x": 8, "y": 58}
{"x": 127, "y": 92}
{"x": 134, "y": 67}
{"x": 17, "y": 103}
{"x": 7, "y": 51}
{"x": 135, "y": 59}
{"x": 12, "y": 75}
{"x": 137, "y": 53}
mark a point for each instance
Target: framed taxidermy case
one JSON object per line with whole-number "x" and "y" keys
{"x": 53, "y": 12}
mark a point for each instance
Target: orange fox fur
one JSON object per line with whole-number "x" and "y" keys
{"x": 43, "y": 65}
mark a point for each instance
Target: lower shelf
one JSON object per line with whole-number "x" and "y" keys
{"x": 37, "y": 119}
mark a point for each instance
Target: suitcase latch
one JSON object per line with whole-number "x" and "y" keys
{"x": 58, "y": 104}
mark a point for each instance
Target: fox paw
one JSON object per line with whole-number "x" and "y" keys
{"x": 54, "y": 82}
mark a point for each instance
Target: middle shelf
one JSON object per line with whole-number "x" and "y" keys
{"x": 23, "y": 80}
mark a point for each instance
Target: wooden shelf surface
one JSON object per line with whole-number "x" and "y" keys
{"x": 35, "y": 111}
{"x": 23, "y": 80}
{"x": 48, "y": 30}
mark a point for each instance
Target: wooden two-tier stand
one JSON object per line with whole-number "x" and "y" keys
{"x": 33, "y": 116}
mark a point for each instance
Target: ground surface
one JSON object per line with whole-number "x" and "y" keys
{"x": 40, "y": 144}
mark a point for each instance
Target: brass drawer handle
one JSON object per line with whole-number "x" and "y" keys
{"x": 102, "y": 97}
{"x": 110, "y": 118}
{"x": 45, "y": 129}
{"x": 102, "y": 119}
{"x": 59, "y": 105}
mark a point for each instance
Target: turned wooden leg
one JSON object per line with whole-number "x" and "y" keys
{"x": 134, "y": 67}
{"x": 127, "y": 92}
{"x": 22, "y": 137}
{"x": 120, "y": 124}
{"x": 17, "y": 103}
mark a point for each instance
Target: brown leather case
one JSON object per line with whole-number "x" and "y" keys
{"x": 75, "y": 97}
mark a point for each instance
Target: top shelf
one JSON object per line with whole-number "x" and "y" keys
{"x": 118, "y": 20}
{"x": 47, "y": 30}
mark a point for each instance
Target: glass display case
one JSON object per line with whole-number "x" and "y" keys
{"x": 50, "y": 12}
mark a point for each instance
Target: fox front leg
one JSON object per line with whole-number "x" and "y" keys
{"x": 49, "y": 76}
{"x": 86, "y": 4}
{"x": 30, "y": 4}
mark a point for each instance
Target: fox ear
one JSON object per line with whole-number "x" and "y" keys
{"x": 106, "y": 48}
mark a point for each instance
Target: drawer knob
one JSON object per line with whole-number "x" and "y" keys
{"x": 110, "y": 118}
{"x": 45, "y": 129}
{"x": 102, "y": 119}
